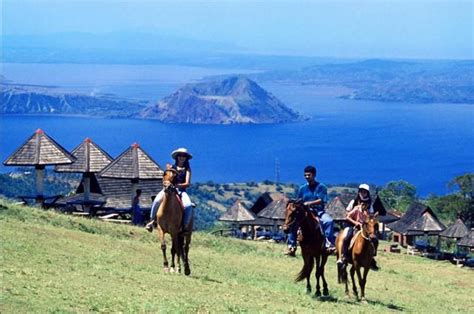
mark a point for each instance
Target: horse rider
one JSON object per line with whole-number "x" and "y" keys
{"x": 314, "y": 195}
{"x": 358, "y": 210}
{"x": 183, "y": 181}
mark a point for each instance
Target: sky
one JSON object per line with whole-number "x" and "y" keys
{"x": 349, "y": 29}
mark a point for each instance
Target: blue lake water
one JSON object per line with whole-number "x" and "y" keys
{"x": 348, "y": 141}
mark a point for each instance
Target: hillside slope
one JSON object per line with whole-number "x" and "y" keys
{"x": 53, "y": 262}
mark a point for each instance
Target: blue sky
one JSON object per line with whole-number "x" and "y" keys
{"x": 374, "y": 29}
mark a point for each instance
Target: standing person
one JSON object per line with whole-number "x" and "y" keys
{"x": 181, "y": 157}
{"x": 358, "y": 210}
{"x": 136, "y": 210}
{"x": 314, "y": 195}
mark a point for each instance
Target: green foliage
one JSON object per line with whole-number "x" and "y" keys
{"x": 22, "y": 182}
{"x": 57, "y": 263}
{"x": 398, "y": 194}
{"x": 458, "y": 204}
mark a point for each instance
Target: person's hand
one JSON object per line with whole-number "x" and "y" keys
{"x": 166, "y": 184}
{"x": 169, "y": 166}
{"x": 359, "y": 225}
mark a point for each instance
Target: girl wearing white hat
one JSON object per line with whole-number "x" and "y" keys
{"x": 183, "y": 181}
{"x": 357, "y": 211}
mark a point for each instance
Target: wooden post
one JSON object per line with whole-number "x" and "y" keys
{"x": 39, "y": 173}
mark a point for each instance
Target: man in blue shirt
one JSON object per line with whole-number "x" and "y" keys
{"x": 314, "y": 195}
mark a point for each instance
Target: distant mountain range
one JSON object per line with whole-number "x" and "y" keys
{"x": 437, "y": 81}
{"x": 233, "y": 99}
{"x": 27, "y": 99}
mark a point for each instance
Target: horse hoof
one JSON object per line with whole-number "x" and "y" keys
{"x": 318, "y": 294}
{"x": 363, "y": 300}
{"x": 172, "y": 270}
{"x": 325, "y": 292}
{"x": 166, "y": 270}
{"x": 308, "y": 291}
{"x": 187, "y": 271}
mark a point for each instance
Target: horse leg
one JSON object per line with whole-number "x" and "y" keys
{"x": 187, "y": 240}
{"x": 318, "y": 275}
{"x": 177, "y": 249}
{"x": 324, "y": 259}
{"x": 163, "y": 249}
{"x": 344, "y": 277}
{"x": 173, "y": 255}
{"x": 354, "y": 287}
{"x": 363, "y": 281}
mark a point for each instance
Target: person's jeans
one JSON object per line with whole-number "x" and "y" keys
{"x": 292, "y": 236}
{"x": 328, "y": 228}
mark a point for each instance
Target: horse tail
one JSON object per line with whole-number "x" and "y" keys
{"x": 341, "y": 273}
{"x": 306, "y": 270}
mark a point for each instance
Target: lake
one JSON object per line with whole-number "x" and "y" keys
{"x": 348, "y": 141}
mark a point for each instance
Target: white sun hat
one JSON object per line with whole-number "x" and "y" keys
{"x": 364, "y": 186}
{"x": 180, "y": 151}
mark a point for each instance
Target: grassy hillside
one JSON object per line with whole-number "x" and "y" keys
{"x": 53, "y": 262}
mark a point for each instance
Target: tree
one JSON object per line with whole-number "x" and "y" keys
{"x": 398, "y": 194}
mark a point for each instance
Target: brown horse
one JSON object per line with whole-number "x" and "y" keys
{"x": 312, "y": 243}
{"x": 362, "y": 254}
{"x": 169, "y": 217}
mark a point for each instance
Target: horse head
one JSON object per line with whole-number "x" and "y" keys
{"x": 295, "y": 212}
{"x": 169, "y": 179}
{"x": 370, "y": 227}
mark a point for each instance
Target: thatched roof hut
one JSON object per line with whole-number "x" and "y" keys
{"x": 39, "y": 151}
{"x": 133, "y": 164}
{"x": 238, "y": 213}
{"x": 337, "y": 206}
{"x": 115, "y": 192}
{"x": 457, "y": 230}
{"x": 468, "y": 240}
{"x": 419, "y": 219}
{"x": 89, "y": 158}
{"x": 263, "y": 201}
{"x": 275, "y": 210}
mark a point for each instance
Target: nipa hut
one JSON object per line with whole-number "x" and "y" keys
{"x": 135, "y": 165}
{"x": 39, "y": 151}
{"x": 456, "y": 231}
{"x": 419, "y": 220}
{"x": 467, "y": 241}
{"x": 90, "y": 159}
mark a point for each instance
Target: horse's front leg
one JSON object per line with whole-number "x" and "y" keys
{"x": 354, "y": 287}
{"x": 161, "y": 235}
{"x": 173, "y": 255}
{"x": 324, "y": 259}
{"x": 362, "y": 282}
{"x": 177, "y": 251}
{"x": 187, "y": 240}
{"x": 318, "y": 275}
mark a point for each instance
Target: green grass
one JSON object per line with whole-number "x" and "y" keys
{"x": 56, "y": 263}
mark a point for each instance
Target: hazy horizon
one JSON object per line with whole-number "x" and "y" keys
{"x": 342, "y": 29}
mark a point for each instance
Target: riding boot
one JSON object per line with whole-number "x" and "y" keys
{"x": 187, "y": 218}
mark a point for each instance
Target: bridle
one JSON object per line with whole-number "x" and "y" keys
{"x": 295, "y": 212}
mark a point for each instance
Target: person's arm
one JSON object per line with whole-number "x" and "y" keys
{"x": 323, "y": 197}
{"x": 351, "y": 214}
{"x": 350, "y": 206}
{"x": 187, "y": 183}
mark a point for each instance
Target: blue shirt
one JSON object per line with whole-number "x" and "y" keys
{"x": 320, "y": 192}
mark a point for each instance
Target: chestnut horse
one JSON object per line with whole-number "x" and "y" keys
{"x": 312, "y": 243}
{"x": 362, "y": 254}
{"x": 169, "y": 217}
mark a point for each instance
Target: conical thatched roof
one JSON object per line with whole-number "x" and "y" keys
{"x": 39, "y": 150}
{"x": 415, "y": 220}
{"x": 237, "y": 213}
{"x": 275, "y": 210}
{"x": 468, "y": 240}
{"x": 89, "y": 158}
{"x": 427, "y": 223}
{"x": 133, "y": 163}
{"x": 457, "y": 230}
{"x": 337, "y": 206}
